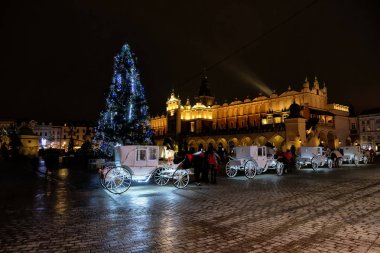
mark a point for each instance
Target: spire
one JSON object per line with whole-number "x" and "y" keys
{"x": 187, "y": 102}
{"x": 289, "y": 88}
{"x": 306, "y": 84}
{"x": 324, "y": 89}
{"x": 316, "y": 83}
{"x": 204, "y": 90}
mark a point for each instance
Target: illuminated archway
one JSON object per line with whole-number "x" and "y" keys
{"x": 212, "y": 141}
{"x": 261, "y": 140}
{"x": 223, "y": 142}
{"x": 246, "y": 141}
{"x": 201, "y": 144}
{"x": 277, "y": 141}
{"x": 192, "y": 144}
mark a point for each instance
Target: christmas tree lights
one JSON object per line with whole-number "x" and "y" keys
{"x": 125, "y": 118}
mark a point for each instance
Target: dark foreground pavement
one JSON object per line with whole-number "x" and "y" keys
{"x": 334, "y": 210}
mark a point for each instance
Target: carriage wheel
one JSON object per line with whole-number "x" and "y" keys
{"x": 118, "y": 180}
{"x": 365, "y": 160}
{"x": 161, "y": 176}
{"x": 329, "y": 163}
{"x": 230, "y": 171}
{"x": 279, "y": 168}
{"x": 181, "y": 178}
{"x": 314, "y": 165}
{"x": 250, "y": 168}
{"x": 340, "y": 162}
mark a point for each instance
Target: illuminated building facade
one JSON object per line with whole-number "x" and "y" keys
{"x": 369, "y": 124}
{"x": 256, "y": 121}
{"x": 58, "y": 136}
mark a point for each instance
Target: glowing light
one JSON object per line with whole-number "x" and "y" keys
{"x": 248, "y": 76}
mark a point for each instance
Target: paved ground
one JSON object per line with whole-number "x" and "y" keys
{"x": 334, "y": 210}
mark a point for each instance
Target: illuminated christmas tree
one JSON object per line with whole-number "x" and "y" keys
{"x": 125, "y": 118}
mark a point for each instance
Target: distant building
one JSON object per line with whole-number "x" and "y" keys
{"x": 256, "y": 121}
{"x": 29, "y": 141}
{"x": 58, "y": 135}
{"x": 369, "y": 125}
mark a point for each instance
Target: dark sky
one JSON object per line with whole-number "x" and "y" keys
{"x": 57, "y": 56}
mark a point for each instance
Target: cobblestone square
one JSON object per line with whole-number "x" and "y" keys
{"x": 334, "y": 210}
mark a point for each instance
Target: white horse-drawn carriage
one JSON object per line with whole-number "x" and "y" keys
{"x": 253, "y": 160}
{"x": 353, "y": 154}
{"x": 314, "y": 157}
{"x": 141, "y": 163}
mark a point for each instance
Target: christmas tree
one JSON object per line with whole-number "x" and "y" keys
{"x": 125, "y": 118}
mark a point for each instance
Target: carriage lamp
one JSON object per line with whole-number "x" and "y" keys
{"x": 340, "y": 142}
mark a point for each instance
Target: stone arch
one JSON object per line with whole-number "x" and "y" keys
{"x": 201, "y": 144}
{"x": 212, "y": 141}
{"x": 192, "y": 144}
{"x": 277, "y": 141}
{"x": 233, "y": 142}
{"x": 261, "y": 140}
{"x": 246, "y": 141}
{"x": 223, "y": 142}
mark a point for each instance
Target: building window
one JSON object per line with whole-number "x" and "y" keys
{"x": 192, "y": 128}
{"x": 353, "y": 126}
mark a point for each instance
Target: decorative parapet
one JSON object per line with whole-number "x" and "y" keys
{"x": 338, "y": 107}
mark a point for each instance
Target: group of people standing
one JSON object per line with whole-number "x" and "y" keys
{"x": 206, "y": 165}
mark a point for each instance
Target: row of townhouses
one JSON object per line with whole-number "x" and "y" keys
{"x": 36, "y": 135}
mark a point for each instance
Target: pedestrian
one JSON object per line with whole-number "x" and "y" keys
{"x": 212, "y": 161}
{"x": 198, "y": 163}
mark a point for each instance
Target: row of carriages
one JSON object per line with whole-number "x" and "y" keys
{"x": 143, "y": 163}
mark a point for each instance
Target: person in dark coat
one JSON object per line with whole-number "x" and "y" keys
{"x": 198, "y": 163}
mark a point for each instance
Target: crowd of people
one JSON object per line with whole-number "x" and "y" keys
{"x": 207, "y": 163}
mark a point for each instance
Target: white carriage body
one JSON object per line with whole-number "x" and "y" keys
{"x": 308, "y": 153}
{"x": 262, "y": 155}
{"x": 142, "y": 160}
{"x": 252, "y": 160}
{"x": 350, "y": 152}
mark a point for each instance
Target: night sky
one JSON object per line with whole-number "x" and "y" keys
{"x": 57, "y": 56}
